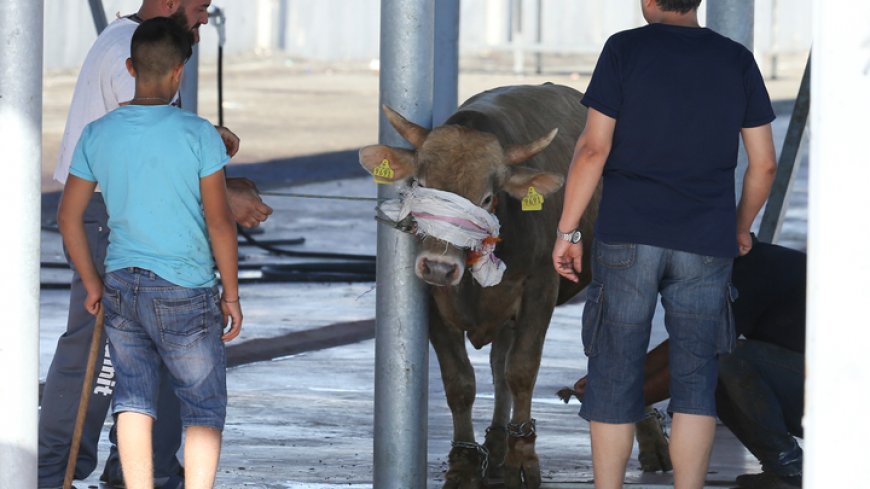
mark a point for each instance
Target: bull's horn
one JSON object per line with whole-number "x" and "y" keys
{"x": 521, "y": 152}
{"x": 412, "y": 133}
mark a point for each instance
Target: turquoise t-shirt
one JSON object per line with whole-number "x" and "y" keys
{"x": 148, "y": 161}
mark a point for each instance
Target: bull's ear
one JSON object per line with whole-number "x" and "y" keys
{"x": 386, "y": 163}
{"x": 519, "y": 153}
{"x": 521, "y": 179}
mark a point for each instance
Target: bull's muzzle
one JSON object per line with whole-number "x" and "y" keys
{"x": 440, "y": 270}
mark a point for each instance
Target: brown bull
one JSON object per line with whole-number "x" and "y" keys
{"x": 482, "y": 153}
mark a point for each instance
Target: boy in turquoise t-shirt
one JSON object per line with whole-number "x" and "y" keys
{"x": 160, "y": 171}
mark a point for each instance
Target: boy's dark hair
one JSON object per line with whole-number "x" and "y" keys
{"x": 681, "y": 6}
{"x": 158, "y": 46}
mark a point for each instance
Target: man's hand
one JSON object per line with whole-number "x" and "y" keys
{"x": 245, "y": 202}
{"x": 568, "y": 259}
{"x": 231, "y": 141}
{"x": 744, "y": 242}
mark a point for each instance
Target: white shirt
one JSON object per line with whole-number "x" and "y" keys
{"x": 103, "y": 84}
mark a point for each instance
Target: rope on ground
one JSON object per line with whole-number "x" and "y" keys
{"x": 327, "y": 197}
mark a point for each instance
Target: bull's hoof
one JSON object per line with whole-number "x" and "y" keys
{"x": 466, "y": 466}
{"x": 522, "y": 469}
{"x": 496, "y": 446}
{"x": 653, "y": 453}
{"x": 527, "y": 476}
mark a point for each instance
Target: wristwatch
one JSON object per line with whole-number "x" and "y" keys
{"x": 573, "y": 237}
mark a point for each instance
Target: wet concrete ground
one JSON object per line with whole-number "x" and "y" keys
{"x": 304, "y": 419}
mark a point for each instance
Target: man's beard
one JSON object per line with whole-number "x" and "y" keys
{"x": 180, "y": 18}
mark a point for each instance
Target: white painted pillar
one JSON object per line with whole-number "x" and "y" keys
{"x": 21, "y": 146}
{"x": 838, "y": 324}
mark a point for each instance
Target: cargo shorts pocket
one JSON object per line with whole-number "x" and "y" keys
{"x": 617, "y": 256}
{"x": 592, "y": 314}
{"x": 727, "y": 340}
{"x": 112, "y": 309}
{"x": 183, "y": 321}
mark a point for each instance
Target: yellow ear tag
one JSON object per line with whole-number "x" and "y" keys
{"x": 533, "y": 201}
{"x": 383, "y": 173}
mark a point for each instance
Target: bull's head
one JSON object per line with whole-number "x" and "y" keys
{"x": 465, "y": 162}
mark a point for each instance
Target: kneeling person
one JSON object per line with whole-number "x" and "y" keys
{"x": 161, "y": 173}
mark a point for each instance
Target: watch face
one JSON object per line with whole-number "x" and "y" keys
{"x": 576, "y": 236}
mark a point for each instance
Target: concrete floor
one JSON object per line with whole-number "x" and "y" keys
{"x": 305, "y": 420}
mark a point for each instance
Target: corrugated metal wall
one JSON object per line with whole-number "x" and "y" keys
{"x": 336, "y": 30}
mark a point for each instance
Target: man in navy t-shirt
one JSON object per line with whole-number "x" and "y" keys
{"x": 668, "y": 103}
{"x": 760, "y": 394}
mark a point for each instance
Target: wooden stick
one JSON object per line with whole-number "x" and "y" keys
{"x": 87, "y": 387}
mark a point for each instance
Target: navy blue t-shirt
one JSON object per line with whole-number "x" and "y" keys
{"x": 680, "y": 96}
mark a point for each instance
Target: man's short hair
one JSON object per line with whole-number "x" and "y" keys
{"x": 681, "y": 6}
{"x": 158, "y": 46}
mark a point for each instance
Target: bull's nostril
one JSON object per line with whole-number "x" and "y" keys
{"x": 451, "y": 274}
{"x": 424, "y": 267}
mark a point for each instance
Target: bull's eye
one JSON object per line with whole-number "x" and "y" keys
{"x": 486, "y": 201}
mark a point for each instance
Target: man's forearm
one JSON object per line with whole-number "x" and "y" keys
{"x": 756, "y": 188}
{"x": 583, "y": 177}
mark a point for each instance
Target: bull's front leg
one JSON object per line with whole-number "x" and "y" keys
{"x": 496, "y": 433}
{"x": 467, "y": 459}
{"x": 522, "y": 467}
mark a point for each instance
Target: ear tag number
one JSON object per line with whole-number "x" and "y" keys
{"x": 383, "y": 173}
{"x": 533, "y": 201}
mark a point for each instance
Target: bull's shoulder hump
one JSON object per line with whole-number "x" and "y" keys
{"x": 525, "y": 96}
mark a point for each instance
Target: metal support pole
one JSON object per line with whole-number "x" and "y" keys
{"x": 99, "y": 14}
{"x": 838, "y": 264}
{"x": 401, "y": 337}
{"x": 21, "y": 31}
{"x": 774, "y": 211}
{"x": 446, "y": 93}
{"x": 734, "y": 19}
{"x": 518, "y": 39}
{"x": 539, "y": 36}
{"x": 283, "y": 14}
{"x": 190, "y": 83}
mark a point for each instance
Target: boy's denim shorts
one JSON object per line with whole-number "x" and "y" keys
{"x": 620, "y": 302}
{"x": 150, "y": 320}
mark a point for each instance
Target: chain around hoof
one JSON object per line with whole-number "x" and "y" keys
{"x": 482, "y": 453}
{"x": 522, "y": 430}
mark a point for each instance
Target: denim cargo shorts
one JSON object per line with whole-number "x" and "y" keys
{"x": 627, "y": 280}
{"x": 150, "y": 321}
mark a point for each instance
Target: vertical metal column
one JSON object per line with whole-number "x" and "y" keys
{"x": 190, "y": 83}
{"x": 446, "y": 94}
{"x": 401, "y": 337}
{"x": 734, "y": 19}
{"x": 518, "y": 39}
{"x": 838, "y": 265}
{"x": 774, "y": 211}
{"x": 539, "y": 36}
{"x": 21, "y": 30}
{"x": 99, "y": 14}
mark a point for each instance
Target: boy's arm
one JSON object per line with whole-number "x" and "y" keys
{"x": 70, "y": 218}
{"x": 757, "y": 181}
{"x": 224, "y": 245}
